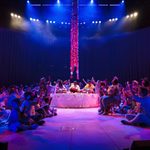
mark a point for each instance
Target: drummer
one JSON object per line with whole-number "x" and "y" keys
{"x": 89, "y": 87}
{"x": 74, "y": 87}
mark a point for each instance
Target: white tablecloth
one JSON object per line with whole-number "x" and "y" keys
{"x": 75, "y": 100}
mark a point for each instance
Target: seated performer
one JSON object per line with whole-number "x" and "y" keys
{"x": 60, "y": 88}
{"x": 142, "y": 118}
{"x": 89, "y": 87}
{"x": 74, "y": 87}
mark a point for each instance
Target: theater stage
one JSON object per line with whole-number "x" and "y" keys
{"x": 77, "y": 129}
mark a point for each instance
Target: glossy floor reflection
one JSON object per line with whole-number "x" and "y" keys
{"x": 76, "y": 129}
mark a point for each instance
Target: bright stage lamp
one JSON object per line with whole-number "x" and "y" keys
{"x": 135, "y": 14}
{"x": 92, "y": 1}
{"x": 12, "y": 14}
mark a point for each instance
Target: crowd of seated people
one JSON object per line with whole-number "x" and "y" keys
{"x": 25, "y": 107}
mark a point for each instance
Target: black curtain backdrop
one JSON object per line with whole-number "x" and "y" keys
{"x": 25, "y": 60}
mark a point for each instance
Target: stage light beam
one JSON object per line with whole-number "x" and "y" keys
{"x": 92, "y": 1}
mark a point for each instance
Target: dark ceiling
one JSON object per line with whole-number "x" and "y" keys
{"x": 7, "y": 6}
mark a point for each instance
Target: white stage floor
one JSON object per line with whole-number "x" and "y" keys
{"x": 76, "y": 129}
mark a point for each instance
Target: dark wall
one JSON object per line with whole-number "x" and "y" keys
{"x": 125, "y": 55}
{"x": 25, "y": 60}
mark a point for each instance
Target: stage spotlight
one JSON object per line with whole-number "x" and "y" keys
{"x": 92, "y": 1}
{"x": 93, "y": 22}
{"x": 96, "y": 22}
{"x": 65, "y": 22}
{"x": 135, "y": 14}
{"x": 34, "y": 20}
{"x": 122, "y": 1}
{"x": 113, "y": 19}
{"x": 15, "y": 16}
{"x": 47, "y": 21}
{"x": 37, "y": 20}
{"x": 116, "y": 19}
{"x": 62, "y": 22}
{"x": 127, "y": 16}
{"x": 18, "y": 17}
{"x": 131, "y": 15}
{"x": 100, "y": 22}
{"x": 12, "y": 14}
{"x": 50, "y": 21}
{"x": 83, "y": 22}
{"x": 69, "y": 23}
{"x": 28, "y": 1}
{"x": 31, "y": 19}
{"x": 58, "y": 2}
{"x": 54, "y": 21}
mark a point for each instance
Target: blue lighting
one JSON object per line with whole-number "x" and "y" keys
{"x": 28, "y": 2}
{"x": 92, "y": 1}
{"x": 122, "y": 1}
{"x": 58, "y": 1}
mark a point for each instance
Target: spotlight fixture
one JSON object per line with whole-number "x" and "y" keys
{"x": 131, "y": 15}
{"x": 93, "y": 22}
{"x": 122, "y": 1}
{"x": 100, "y": 22}
{"x": 92, "y": 1}
{"x": 12, "y": 14}
{"x": 135, "y": 14}
{"x": 127, "y": 16}
{"x": 110, "y": 20}
{"x": 28, "y": 1}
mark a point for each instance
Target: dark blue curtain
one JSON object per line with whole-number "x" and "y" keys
{"x": 25, "y": 60}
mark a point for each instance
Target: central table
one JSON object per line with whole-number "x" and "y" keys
{"x": 75, "y": 100}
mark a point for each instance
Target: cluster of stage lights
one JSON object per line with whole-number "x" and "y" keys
{"x": 34, "y": 20}
{"x": 134, "y": 15}
{"x": 15, "y": 16}
{"x": 68, "y": 23}
{"x": 58, "y": 2}
{"x": 113, "y": 19}
{"x": 91, "y": 1}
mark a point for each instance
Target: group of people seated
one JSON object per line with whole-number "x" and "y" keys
{"x": 25, "y": 107}
{"x": 74, "y": 87}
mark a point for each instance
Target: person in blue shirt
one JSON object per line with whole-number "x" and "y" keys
{"x": 143, "y": 117}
